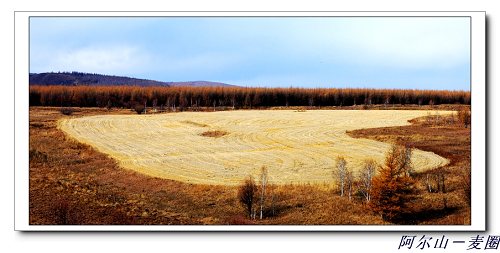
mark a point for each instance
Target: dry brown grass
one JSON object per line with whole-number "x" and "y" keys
{"x": 72, "y": 183}
{"x": 447, "y": 137}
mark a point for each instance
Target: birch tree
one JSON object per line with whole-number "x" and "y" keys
{"x": 366, "y": 177}
{"x": 263, "y": 184}
{"x": 340, "y": 173}
{"x": 349, "y": 178}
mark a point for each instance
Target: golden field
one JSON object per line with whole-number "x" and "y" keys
{"x": 296, "y": 146}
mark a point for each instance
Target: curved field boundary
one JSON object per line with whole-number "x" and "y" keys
{"x": 296, "y": 147}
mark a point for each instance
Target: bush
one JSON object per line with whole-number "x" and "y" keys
{"x": 139, "y": 108}
{"x": 37, "y": 156}
{"x": 67, "y": 110}
{"x": 464, "y": 117}
{"x": 246, "y": 194}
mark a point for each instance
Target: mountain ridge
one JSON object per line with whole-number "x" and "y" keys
{"x": 78, "y": 78}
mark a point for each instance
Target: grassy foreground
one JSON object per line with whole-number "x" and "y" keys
{"x": 71, "y": 183}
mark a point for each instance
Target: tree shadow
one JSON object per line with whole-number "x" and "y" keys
{"x": 415, "y": 218}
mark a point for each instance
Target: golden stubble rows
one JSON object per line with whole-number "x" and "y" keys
{"x": 296, "y": 147}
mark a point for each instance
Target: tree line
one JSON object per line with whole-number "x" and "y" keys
{"x": 234, "y": 97}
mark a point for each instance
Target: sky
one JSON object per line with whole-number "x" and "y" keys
{"x": 358, "y": 52}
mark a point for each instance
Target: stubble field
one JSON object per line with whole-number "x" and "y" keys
{"x": 225, "y": 147}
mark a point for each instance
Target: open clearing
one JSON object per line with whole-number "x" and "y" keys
{"x": 296, "y": 147}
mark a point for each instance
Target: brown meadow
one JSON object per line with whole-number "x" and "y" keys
{"x": 72, "y": 183}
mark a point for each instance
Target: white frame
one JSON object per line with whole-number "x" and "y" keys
{"x": 478, "y": 144}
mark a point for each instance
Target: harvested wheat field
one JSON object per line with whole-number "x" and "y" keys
{"x": 225, "y": 147}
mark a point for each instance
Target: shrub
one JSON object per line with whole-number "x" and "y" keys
{"x": 464, "y": 117}
{"x": 61, "y": 211}
{"x": 37, "y": 156}
{"x": 67, "y": 110}
{"x": 246, "y": 194}
{"x": 139, "y": 108}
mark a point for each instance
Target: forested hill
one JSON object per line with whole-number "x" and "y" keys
{"x": 77, "y": 78}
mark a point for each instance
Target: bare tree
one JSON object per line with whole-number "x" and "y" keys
{"x": 340, "y": 173}
{"x": 349, "y": 180}
{"x": 273, "y": 201}
{"x": 233, "y": 101}
{"x": 311, "y": 102}
{"x": 441, "y": 182}
{"x": 400, "y": 157}
{"x": 246, "y": 194}
{"x": 428, "y": 182}
{"x": 366, "y": 177}
{"x": 155, "y": 104}
{"x": 263, "y": 184}
{"x": 167, "y": 105}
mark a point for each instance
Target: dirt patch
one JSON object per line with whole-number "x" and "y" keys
{"x": 214, "y": 133}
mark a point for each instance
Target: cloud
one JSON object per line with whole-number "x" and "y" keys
{"x": 110, "y": 59}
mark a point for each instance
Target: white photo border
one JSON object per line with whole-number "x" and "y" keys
{"x": 478, "y": 129}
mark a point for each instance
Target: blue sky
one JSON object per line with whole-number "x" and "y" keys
{"x": 364, "y": 52}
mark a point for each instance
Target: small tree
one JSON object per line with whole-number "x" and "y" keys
{"x": 349, "y": 178}
{"x": 263, "y": 184}
{"x": 366, "y": 178}
{"x": 246, "y": 194}
{"x": 340, "y": 173}
{"x": 464, "y": 117}
{"x": 393, "y": 185}
{"x": 399, "y": 158}
{"x": 139, "y": 108}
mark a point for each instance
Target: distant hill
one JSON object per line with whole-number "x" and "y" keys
{"x": 199, "y": 84}
{"x": 77, "y": 78}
